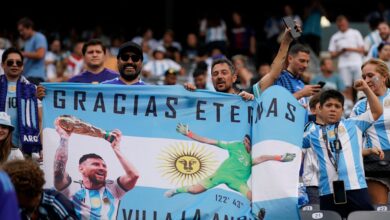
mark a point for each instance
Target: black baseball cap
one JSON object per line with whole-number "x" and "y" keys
{"x": 130, "y": 46}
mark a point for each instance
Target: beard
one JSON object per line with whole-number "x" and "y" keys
{"x": 129, "y": 76}
{"x": 97, "y": 180}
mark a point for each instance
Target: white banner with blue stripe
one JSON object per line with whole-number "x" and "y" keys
{"x": 189, "y": 149}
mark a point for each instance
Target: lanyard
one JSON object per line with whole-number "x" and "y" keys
{"x": 336, "y": 145}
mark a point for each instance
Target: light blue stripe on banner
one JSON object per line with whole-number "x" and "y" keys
{"x": 148, "y": 108}
{"x": 285, "y": 209}
{"x": 278, "y": 116}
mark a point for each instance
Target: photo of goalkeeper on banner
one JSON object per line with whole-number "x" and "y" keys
{"x": 234, "y": 171}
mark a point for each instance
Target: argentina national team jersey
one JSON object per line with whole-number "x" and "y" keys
{"x": 350, "y": 163}
{"x": 95, "y": 204}
{"x": 378, "y": 134}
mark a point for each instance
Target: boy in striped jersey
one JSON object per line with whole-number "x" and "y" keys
{"x": 338, "y": 147}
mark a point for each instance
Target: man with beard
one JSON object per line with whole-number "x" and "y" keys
{"x": 129, "y": 60}
{"x": 94, "y": 53}
{"x": 94, "y": 196}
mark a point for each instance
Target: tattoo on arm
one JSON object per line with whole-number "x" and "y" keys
{"x": 61, "y": 158}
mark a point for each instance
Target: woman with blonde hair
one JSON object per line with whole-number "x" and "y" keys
{"x": 377, "y": 138}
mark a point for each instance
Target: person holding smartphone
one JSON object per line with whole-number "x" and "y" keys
{"x": 337, "y": 145}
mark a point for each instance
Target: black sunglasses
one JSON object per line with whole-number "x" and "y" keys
{"x": 11, "y": 63}
{"x": 134, "y": 57}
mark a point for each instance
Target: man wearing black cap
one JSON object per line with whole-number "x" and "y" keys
{"x": 129, "y": 60}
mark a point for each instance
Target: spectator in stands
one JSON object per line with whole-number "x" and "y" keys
{"x": 338, "y": 148}
{"x": 34, "y": 50}
{"x": 13, "y": 89}
{"x": 170, "y": 77}
{"x": 75, "y": 62}
{"x": 347, "y": 45}
{"x": 34, "y": 201}
{"x": 244, "y": 74}
{"x": 242, "y": 38}
{"x": 262, "y": 70}
{"x": 312, "y": 25}
{"x": 373, "y": 37}
{"x": 8, "y": 201}
{"x": 376, "y": 75}
{"x": 327, "y": 75}
{"x": 146, "y": 35}
{"x": 130, "y": 58}
{"x": 298, "y": 60}
{"x": 384, "y": 33}
{"x": 94, "y": 56}
{"x": 384, "y": 53}
{"x": 310, "y": 165}
{"x": 172, "y": 47}
{"x": 53, "y": 59}
{"x": 200, "y": 75}
{"x": 8, "y": 151}
{"x": 213, "y": 30}
{"x": 154, "y": 70}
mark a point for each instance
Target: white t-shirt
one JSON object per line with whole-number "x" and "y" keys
{"x": 349, "y": 39}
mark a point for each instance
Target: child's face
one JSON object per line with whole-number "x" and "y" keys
{"x": 331, "y": 111}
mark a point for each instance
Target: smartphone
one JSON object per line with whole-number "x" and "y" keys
{"x": 289, "y": 22}
{"x": 339, "y": 194}
{"x": 321, "y": 83}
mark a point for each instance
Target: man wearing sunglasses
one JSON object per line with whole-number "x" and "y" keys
{"x": 129, "y": 60}
{"x": 17, "y": 98}
{"x": 94, "y": 53}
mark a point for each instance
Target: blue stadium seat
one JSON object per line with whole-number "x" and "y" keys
{"x": 320, "y": 214}
{"x": 368, "y": 215}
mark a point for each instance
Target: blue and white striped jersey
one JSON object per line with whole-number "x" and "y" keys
{"x": 350, "y": 164}
{"x": 95, "y": 204}
{"x": 378, "y": 135}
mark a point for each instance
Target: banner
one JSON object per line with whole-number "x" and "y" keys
{"x": 159, "y": 152}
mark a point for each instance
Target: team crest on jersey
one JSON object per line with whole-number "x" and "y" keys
{"x": 95, "y": 202}
{"x": 387, "y": 103}
{"x": 12, "y": 88}
{"x": 331, "y": 134}
{"x": 341, "y": 130}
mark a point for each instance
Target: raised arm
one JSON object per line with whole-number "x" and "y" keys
{"x": 131, "y": 176}
{"x": 61, "y": 177}
{"x": 183, "y": 129}
{"x": 376, "y": 107}
{"x": 278, "y": 63}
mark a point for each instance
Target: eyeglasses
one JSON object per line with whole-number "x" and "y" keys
{"x": 12, "y": 62}
{"x": 134, "y": 57}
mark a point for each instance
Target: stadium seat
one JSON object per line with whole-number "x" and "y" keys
{"x": 382, "y": 208}
{"x": 364, "y": 215}
{"x": 311, "y": 207}
{"x": 320, "y": 214}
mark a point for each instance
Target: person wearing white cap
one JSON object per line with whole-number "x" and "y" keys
{"x": 7, "y": 150}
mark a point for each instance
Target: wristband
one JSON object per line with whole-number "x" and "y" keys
{"x": 278, "y": 157}
{"x": 190, "y": 134}
{"x": 109, "y": 137}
